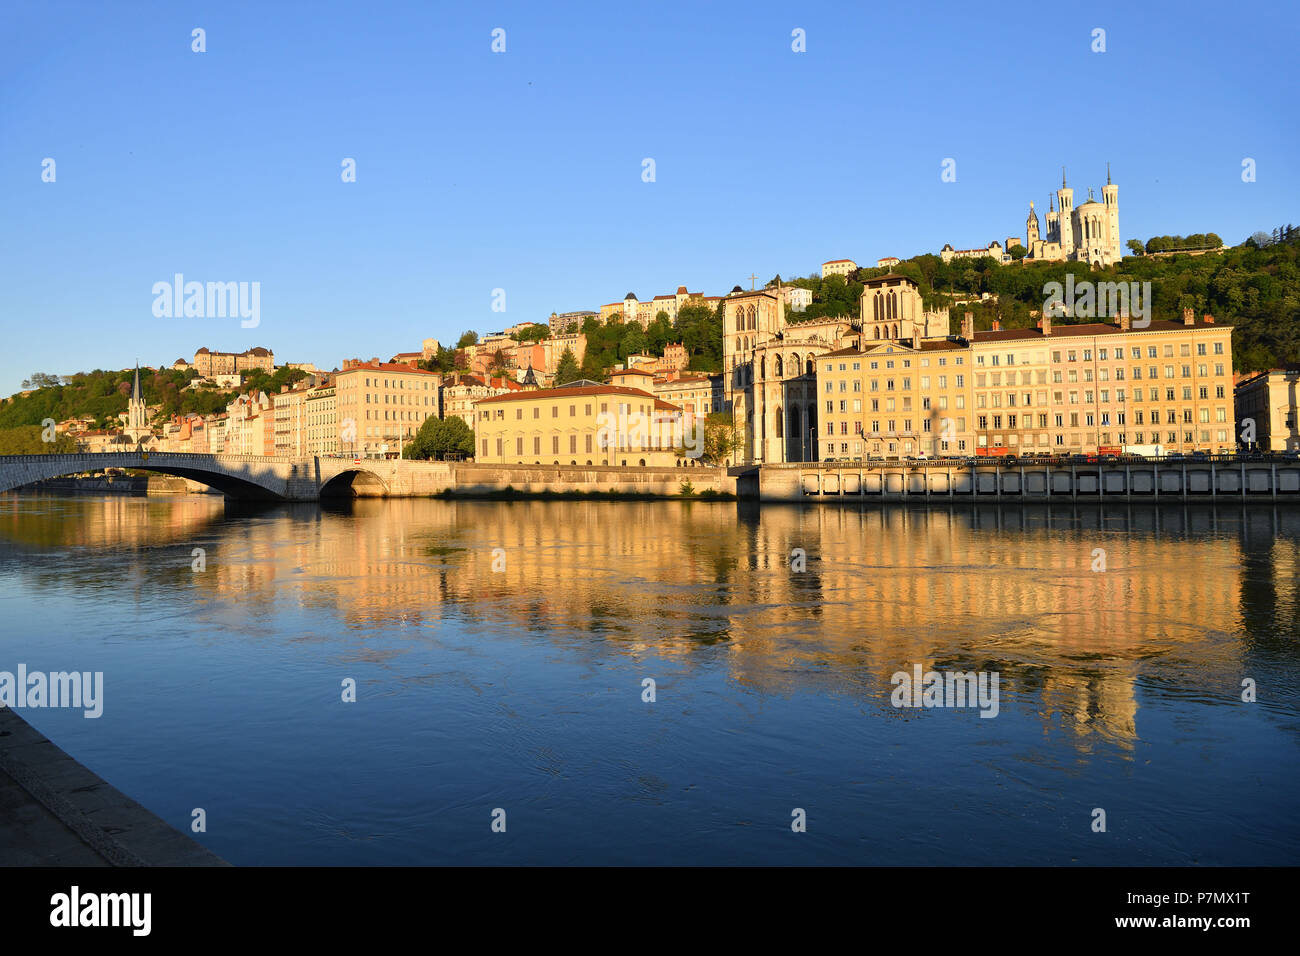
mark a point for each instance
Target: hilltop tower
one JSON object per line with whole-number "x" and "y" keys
{"x": 1110, "y": 196}
{"x": 137, "y": 414}
{"x": 1065, "y": 207}
{"x": 1031, "y": 227}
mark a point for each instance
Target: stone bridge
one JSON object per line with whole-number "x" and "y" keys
{"x": 256, "y": 477}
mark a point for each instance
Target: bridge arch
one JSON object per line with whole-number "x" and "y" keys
{"x": 264, "y": 478}
{"x": 354, "y": 483}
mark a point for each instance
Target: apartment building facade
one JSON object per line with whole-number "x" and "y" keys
{"x": 380, "y": 406}
{"x": 1065, "y": 390}
{"x": 1267, "y": 400}
{"x": 583, "y": 424}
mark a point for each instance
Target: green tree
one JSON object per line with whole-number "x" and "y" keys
{"x": 721, "y": 438}
{"x": 467, "y": 338}
{"x": 659, "y": 334}
{"x": 566, "y": 370}
{"x": 28, "y": 440}
{"x": 1017, "y": 252}
{"x": 257, "y": 380}
{"x": 41, "y": 380}
{"x": 439, "y": 438}
{"x": 533, "y": 333}
{"x": 1135, "y": 247}
{"x": 634, "y": 341}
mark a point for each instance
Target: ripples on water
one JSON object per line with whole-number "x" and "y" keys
{"x": 522, "y": 688}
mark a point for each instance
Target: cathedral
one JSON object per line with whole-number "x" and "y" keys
{"x": 137, "y": 431}
{"x": 1089, "y": 233}
{"x": 770, "y": 378}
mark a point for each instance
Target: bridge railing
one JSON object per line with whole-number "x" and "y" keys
{"x": 147, "y": 455}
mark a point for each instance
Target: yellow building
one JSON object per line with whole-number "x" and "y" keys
{"x": 1072, "y": 389}
{"x": 208, "y": 363}
{"x": 321, "y": 418}
{"x": 894, "y": 399}
{"x": 460, "y": 392}
{"x": 289, "y": 412}
{"x": 581, "y": 424}
{"x": 695, "y": 395}
{"x": 380, "y": 406}
{"x": 838, "y": 267}
{"x": 1269, "y": 400}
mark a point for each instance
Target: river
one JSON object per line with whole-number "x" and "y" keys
{"x": 500, "y": 652}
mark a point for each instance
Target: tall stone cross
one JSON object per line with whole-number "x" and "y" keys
{"x": 752, "y": 279}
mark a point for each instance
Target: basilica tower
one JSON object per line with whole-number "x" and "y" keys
{"x": 1110, "y": 197}
{"x": 1065, "y": 214}
{"x": 137, "y": 415}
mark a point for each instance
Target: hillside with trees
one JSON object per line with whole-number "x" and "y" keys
{"x": 1254, "y": 287}
{"x": 103, "y": 395}
{"x": 698, "y": 328}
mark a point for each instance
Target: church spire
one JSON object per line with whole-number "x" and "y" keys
{"x": 1062, "y": 177}
{"x": 136, "y": 394}
{"x": 1108, "y": 182}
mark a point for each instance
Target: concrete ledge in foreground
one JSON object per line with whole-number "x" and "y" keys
{"x": 55, "y": 812}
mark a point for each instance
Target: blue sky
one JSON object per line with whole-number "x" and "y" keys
{"x": 522, "y": 170}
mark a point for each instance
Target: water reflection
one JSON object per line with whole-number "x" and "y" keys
{"x": 1192, "y": 600}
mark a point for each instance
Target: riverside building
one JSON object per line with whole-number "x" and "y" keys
{"x": 585, "y": 423}
{"x": 894, "y": 381}
{"x": 381, "y": 405}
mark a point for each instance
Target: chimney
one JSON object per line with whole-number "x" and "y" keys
{"x": 1125, "y": 321}
{"x": 916, "y": 339}
{"x": 968, "y": 326}
{"x": 1209, "y": 319}
{"x": 1189, "y": 317}
{"x": 1046, "y": 323}
{"x": 997, "y": 325}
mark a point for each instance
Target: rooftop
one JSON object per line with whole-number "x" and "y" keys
{"x": 575, "y": 390}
